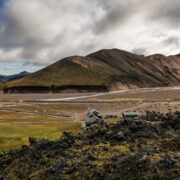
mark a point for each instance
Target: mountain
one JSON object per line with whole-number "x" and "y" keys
{"x": 105, "y": 70}
{"x": 1, "y": 76}
{"x": 16, "y": 75}
{"x": 4, "y": 78}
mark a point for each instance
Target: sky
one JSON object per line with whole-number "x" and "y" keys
{"x": 36, "y": 33}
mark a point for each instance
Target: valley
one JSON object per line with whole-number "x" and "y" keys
{"x": 48, "y": 115}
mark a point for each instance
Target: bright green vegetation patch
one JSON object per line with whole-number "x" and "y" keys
{"x": 16, "y": 128}
{"x": 126, "y": 99}
{"x": 14, "y": 135}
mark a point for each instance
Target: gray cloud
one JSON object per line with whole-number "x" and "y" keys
{"x": 139, "y": 51}
{"x": 40, "y": 32}
{"x": 167, "y": 11}
{"x": 174, "y": 41}
{"x": 115, "y": 14}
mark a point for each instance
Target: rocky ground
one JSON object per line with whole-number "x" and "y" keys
{"x": 145, "y": 148}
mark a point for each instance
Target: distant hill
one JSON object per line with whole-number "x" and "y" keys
{"x": 105, "y": 70}
{"x": 4, "y": 78}
{"x": 1, "y": 76}
{"x": 16, "y": 75}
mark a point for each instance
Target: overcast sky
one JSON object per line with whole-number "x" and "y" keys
{"x": 35, "y": 33}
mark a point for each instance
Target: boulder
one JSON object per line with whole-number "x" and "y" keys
{"x": 120, "y": 136}
{"x": 58, "y": 166}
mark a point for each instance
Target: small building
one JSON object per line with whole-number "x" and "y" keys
{"x": 130, "y": 114}
{"x": 140, "y": 102}
{"x": 93, "y": 117}
{"x": 107, "y": 116}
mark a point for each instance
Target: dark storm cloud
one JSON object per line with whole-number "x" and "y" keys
{"x": 167, "y": 11}
{"x": 114, "y": 15}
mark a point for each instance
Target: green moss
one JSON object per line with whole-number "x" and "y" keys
{"x": 14, "y": 135}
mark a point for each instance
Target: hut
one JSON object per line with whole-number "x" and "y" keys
{"x": 93, "y": 117}
{"x": 130, "y": 114}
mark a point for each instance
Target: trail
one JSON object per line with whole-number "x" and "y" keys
{"x": 112, "y": 92}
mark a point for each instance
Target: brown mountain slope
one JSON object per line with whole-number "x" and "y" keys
{"x": 101, "y": 71}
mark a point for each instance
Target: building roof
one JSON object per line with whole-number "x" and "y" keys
{"x": 130, "y": 114}
{"x": 93, "y": 111}
{"x": 90, "y": 120}
{"x": 93, "y": 116}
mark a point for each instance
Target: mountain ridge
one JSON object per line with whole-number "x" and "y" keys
{"x": 104, "y": 70}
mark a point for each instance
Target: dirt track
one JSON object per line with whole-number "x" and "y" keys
{"x": 75, "y": 106}
{"x": 160, "y": 93}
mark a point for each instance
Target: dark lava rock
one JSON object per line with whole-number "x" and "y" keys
{"x": 33, "y": 141}
{"x": 120, "y": 136}
{"x": 91, "y": 157}
{"x": 168, "y": 161}
{"x": 105, "y": 148}
{"x": 59, "y": 165}
{"x": 142, "y": 159}
{"x": 129, "y": 149}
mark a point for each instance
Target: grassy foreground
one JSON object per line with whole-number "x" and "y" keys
{"x": 14, "y": 135}
{"x": 16, "y": 128}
